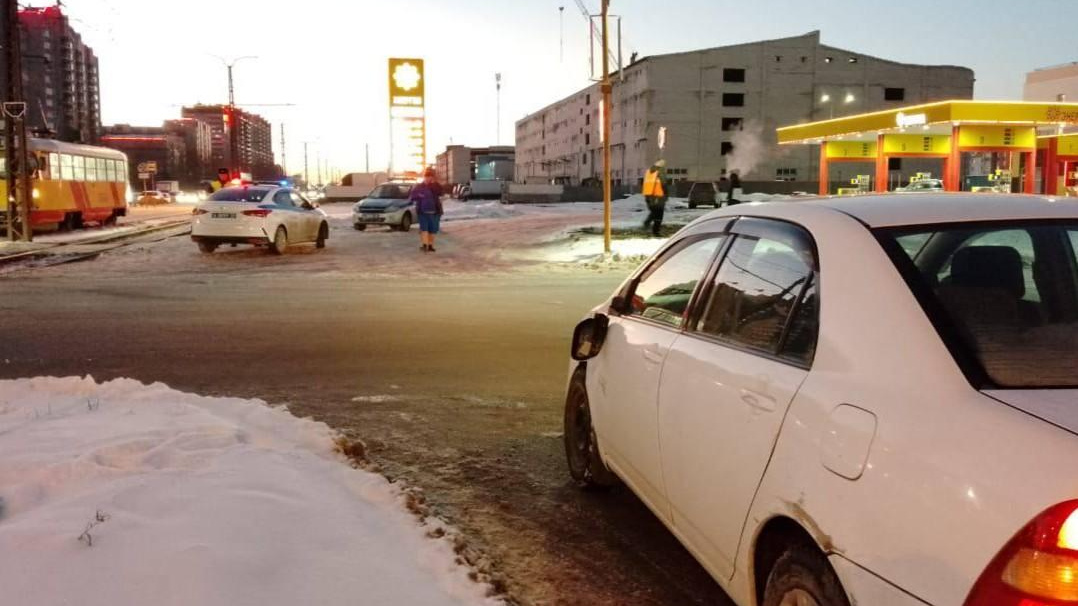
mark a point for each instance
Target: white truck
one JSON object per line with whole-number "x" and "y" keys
{"x": 354, "y": 187}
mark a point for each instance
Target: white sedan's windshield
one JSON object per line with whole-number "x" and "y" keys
{"x": 1010, "y": 290}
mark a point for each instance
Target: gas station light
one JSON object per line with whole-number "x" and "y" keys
{"x": 849, "y": 98}
{"x": 824, "y": 98}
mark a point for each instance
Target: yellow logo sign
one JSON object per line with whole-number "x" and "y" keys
{"x": 406, "y": 82}
{"x": 406, "y": 76}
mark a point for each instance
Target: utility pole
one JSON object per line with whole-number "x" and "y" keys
{"x": 498, "y": 108}
{"x": 306, "y": 176}
{"x": 367, "y": 156}
{"x": 284, "y": 161}
{"x": 17, "y": 157}
{"x": 606, "y": 88}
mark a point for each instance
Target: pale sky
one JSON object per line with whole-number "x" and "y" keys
{"x": 328, "y": 57}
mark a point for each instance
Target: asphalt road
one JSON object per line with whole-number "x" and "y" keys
{"x": 453, "y": 380}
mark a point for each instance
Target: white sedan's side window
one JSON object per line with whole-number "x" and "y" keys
{"x": 282, "y": 198}
{"x": 663, "y": 294}
{"x": 765, "y": 298}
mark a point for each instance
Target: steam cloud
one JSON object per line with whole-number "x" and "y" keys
{"x": 749, "y": 148}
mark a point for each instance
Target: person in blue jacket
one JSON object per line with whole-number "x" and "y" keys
{"x": 427, "y": 197}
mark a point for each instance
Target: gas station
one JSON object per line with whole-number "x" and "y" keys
{"x": 1000, "y": 146}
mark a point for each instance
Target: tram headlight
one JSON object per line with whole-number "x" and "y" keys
{"x": 36, "y": 194}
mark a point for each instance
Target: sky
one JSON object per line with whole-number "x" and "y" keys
{"x": 329, "y": 57}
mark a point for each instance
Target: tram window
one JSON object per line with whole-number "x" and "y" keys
{"x": 78, "y": 172}
{"x": 91, "y": 169}
{"x": 102, "y": 172}
{"x": 67, "y": 167}
{"x": 110, "y": 170}
{"x": 121, "y": 171}
{"x": 54, "y": 166}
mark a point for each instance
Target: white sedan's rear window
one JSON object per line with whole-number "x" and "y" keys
{"x": 1006, "y": 295}
{"x": 240, "y": 194}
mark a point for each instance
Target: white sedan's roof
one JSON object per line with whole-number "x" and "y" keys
{"x": 885, "y": 210}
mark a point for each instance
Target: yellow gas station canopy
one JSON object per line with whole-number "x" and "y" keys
{"x": 931, "y": 117}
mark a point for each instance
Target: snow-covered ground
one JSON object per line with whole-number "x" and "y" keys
{"x": 126, "y": 494}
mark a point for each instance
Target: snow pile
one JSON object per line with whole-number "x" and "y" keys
{"x": 124, "y": 494}
{"x": 588, "y": 250}
{"x": 456, "y": 210}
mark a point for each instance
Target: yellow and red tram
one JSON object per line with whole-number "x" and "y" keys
{"x": 75, "y": 184}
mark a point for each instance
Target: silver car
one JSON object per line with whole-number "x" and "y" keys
{"x": 922, "y": 186}
{"x": 387, "y": 204}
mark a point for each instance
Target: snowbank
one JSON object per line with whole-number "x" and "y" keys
{"x": 195, "y": 500}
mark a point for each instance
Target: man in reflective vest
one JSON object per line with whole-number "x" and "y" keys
{"x": 655, "y": 195}
{"x": 223, "y": 178}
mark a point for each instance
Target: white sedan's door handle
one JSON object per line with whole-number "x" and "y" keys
{"x": 652, "y": 356}
{"x": 757, "y": 400}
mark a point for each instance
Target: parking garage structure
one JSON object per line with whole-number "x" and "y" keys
{"x": 1002, "y": 146}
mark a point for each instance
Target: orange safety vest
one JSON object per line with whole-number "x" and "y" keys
{"x": 653, "y": 187}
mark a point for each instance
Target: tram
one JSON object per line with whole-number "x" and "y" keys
{"x": 73, "y": 184}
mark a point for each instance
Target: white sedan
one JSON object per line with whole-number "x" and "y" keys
{"x": 867, "y": 400}
{"x": 258, "y": 214}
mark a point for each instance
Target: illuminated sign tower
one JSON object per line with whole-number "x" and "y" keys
{"x": 407, "y": 117}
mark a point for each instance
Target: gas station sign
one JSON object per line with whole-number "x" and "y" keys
{"x": 939, "y": 145}
{"x": 979, "y": 135}
{"x": 407, "y": 116}
{"x": 851, "y": 149}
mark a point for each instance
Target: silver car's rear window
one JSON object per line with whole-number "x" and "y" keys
{"x": 1003, "y": 294}
{"x": 240, "y": 194}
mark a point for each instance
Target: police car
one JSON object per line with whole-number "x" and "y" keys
{"x": 258, "y": 214}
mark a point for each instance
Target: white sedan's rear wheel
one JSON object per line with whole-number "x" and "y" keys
{"x": 280, "y": 241}
{"x": 207, "y": 247}
{"x": 803, "y": 577}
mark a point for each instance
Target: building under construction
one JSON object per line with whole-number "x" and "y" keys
{"x": 720, "y": 108}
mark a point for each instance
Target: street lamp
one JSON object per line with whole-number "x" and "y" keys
{"x": 825, "y": 99}
{"x": 233, "y": 132}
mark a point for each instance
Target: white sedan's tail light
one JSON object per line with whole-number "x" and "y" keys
{"x": 1038, "y": 567}
{"x": 261, "y": 212}
{"x": 199, "y": 211}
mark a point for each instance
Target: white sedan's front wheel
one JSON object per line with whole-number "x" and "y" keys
{"x": 280, "y": 241}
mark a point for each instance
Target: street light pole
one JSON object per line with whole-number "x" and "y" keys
{"x": 233, "y": 124}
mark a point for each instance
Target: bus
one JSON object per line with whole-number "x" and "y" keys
{"x": 73, "y": 185}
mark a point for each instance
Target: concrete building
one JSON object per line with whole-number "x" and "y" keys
{"x": 254, "y": 142}
{"x": 166, "y": 148}
{"x": 1059, "y": 83}
{"x": 60, "y": 78}
{"x": 198, "y": 138}
{"x": 460, "y": 164}
{"x": 720, "y": 108}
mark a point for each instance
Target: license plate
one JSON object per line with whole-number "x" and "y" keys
{"x": 222, "y": 215}
{"x": 373, "y": 218}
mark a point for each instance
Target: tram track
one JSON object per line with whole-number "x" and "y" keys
{"x": 80, "y": 250}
